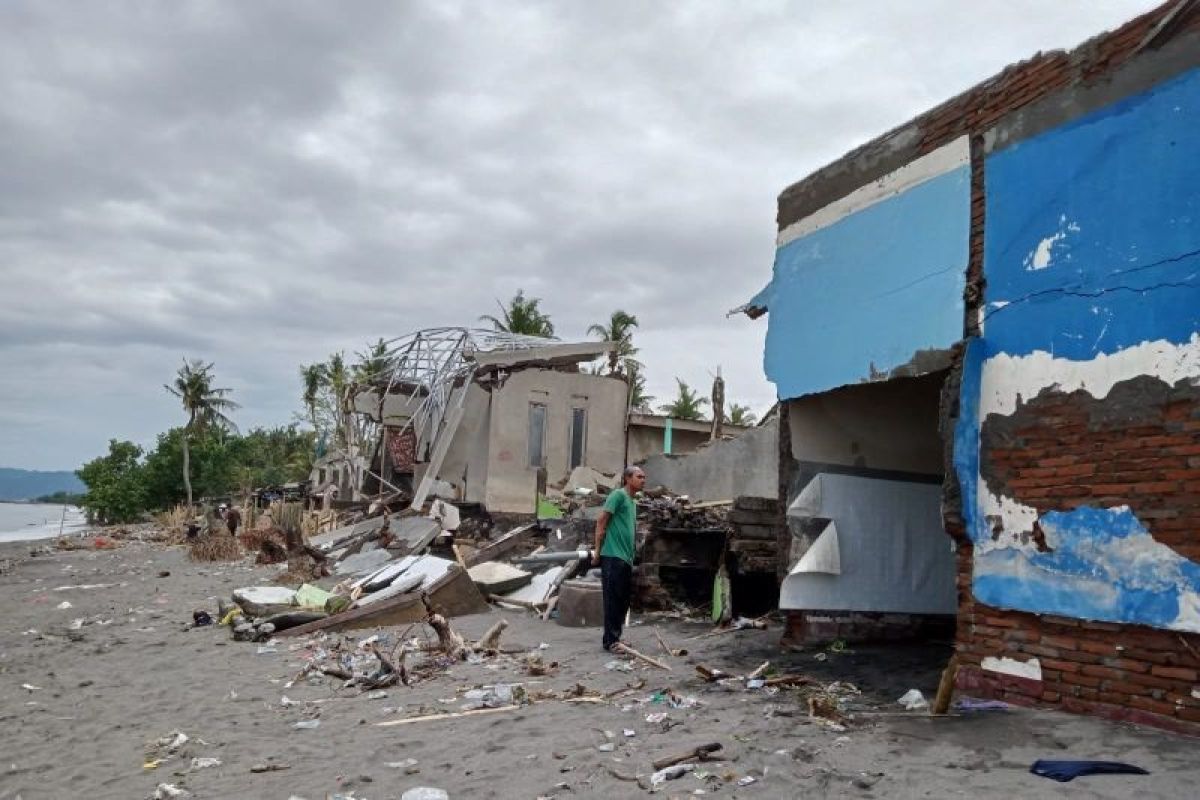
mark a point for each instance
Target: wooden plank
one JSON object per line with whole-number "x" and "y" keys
{"x": 475, "y": 712}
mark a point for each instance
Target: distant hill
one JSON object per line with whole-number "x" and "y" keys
{"x": 26, "y": 484}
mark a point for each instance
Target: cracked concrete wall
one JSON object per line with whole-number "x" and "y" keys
{"x": 1091, "y": 347}
{"x": 724, "y": 469}
{"x": 511, "y": 480}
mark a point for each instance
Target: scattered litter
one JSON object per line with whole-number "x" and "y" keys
{"x": 166, "y": 790}
{"x": 379, "y": 695}
{"x": 622, "y": 666}
{"x": 607, "y": 747}
{"x": 204, "y": 762}
{"x": 629, "y": 733}
{"x": 64, "y": 605}
{"x": 913, "y": 700}
{"x": 409, "y": 765}
{"x": 307, "y": 724}
{"x": 1064, "y": 771}
{"x": 971, "y": 704}
{"x": 425, "y": 793}
{"x": 670, "y": 773}
{"x": 747, "y": 780}
{"x": 29, "y": 687}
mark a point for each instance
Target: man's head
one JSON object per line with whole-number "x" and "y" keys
{"x": 633, "y": 479}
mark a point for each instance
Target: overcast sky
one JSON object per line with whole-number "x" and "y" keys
{"x": 260, "y": 184}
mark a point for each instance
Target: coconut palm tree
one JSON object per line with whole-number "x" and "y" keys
{"x": 638, "y": 399}
{"x": 372, "y": 365}
{"x": 313, "y": 377}
{"x": 205, "y": 405}
{"x": 521, "y": 316}
{"x": 741, "y": 415}
{"x": 686, "y": 404}
{"x": 618, "y": 330}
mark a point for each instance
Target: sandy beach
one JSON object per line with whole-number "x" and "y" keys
{"x": 99, "y": 660}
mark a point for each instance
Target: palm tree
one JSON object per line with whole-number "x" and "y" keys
{"x": 618, "y": 330}
{"x": 205, "y": 406}
{"x": 522, "y": 316}
{"x": 337, "y": 380}
{"x": 741, "y": 415}
{"x": 372, "y": 365}
{"x": 686, "y": 404}
{"x": 314, "y": 377}
{"x": 638, "y": 399}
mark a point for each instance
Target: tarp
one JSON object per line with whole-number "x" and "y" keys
{"x": 883, "y": 548}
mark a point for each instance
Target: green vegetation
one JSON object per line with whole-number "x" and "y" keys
{"x": 205, "y": 405}
{"x": 116, "y": 489}
{"x": 61, "y": 498}
{"x": 521, "y": 316}
{"x": 686, "y": 405}
{"x": 619, "y": 330}
{"x": 741, "y": 415}
{"x": 127, "y": 483}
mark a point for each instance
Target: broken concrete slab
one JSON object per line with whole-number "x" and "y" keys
{"x": 413, "y": 534}
{"x": 260, "y": 601}
{"x": 400, "y": 585}
{"x": 410, "y": 573}
{"x": 360, "y": 563}
{"x": 538, "y": 589}
{"x": 584, "y": 477}
{"x": 454, "y": 594}
{"x": 504, "y": 544}
{"x": 580, "y": 604}
{"x": 331, "y": 539}
{"x": 496, "y": 577}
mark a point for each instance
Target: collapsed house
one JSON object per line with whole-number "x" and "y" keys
{"x": 984, "y": 329}
{"x": 489, "y": 418}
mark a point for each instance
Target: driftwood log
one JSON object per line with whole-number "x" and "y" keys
{"x": 490, "y": 641}
{"x": 702, "y": 753}
{"x": 450, "y": 641}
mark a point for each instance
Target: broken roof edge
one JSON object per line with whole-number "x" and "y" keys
{"x": 553, "y": 353}
{"x": 758, "y": 305}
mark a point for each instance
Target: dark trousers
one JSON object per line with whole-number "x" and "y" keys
{"x": 616, "y": 578}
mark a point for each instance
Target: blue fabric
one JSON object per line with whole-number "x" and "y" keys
{"x": 1064, "y": 771}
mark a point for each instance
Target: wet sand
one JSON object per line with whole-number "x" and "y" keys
{"x": 135, "y": 670}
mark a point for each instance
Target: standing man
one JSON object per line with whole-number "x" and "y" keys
{"x": 614, "y": 551}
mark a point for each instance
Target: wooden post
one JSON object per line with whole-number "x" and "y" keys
{"x": 945, "y": 692}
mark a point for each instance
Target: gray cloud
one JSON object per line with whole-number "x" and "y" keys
{"x": 260, "y": 184}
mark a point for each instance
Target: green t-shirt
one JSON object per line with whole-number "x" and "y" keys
{"x": 618, "y": 537}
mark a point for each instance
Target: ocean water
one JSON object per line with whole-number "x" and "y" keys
{"x": 19, "y": 521}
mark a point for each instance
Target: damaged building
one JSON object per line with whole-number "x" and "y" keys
{"x": 984, "y": 329}
{"x": 489, "y": 418}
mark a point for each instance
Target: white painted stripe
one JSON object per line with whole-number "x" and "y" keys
{"x": 1031, "y": 669}
{"x": 1008, "y": 380}
{"x": 946, "y": 158}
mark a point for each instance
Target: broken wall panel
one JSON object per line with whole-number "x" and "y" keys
{"x": 881, "y": 544}
{"x": 1079, "y": 429}
{"x": 870, "y": 286}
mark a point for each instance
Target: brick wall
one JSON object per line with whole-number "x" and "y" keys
{"x": 1122, "y": 672}
{"x": 754, "y": 542}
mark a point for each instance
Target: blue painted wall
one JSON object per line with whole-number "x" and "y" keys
{"x": 1092, "y": 247}
{"x": 871, "y": 290}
